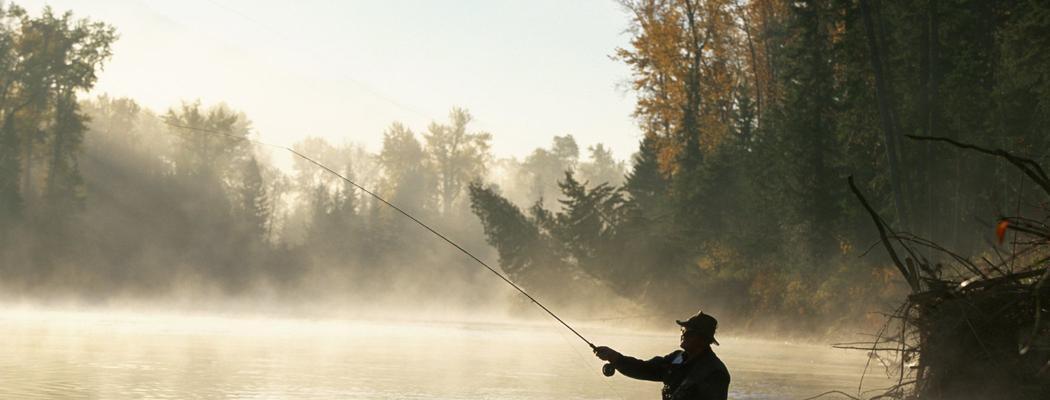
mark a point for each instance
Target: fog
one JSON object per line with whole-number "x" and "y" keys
{"x": 745, "y": 215}
{"x": 120, "y": 355}
{"x": 179, "y": 227}
{"x": 173, "y": 216}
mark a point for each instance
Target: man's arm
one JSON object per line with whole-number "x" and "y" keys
{"x": 650, "y": 370}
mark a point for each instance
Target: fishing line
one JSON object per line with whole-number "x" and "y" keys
{"x": 587, "y": 365}
{"x": 403, "y": 212}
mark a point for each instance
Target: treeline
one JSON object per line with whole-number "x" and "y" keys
{"x": 185, "y": 200}
{"x": 102, "y": 198}
{"x": 45, "y": 62}
{"x": 754, "y": 114}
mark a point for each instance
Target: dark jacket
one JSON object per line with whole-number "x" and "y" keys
{"x": 702, "y": 377}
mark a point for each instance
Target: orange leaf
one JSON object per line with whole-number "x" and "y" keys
{"x": 1000, "y": 230}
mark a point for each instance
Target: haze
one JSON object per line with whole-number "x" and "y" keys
{"x": 345, "y": 70}
{"x": 626, "y": 163}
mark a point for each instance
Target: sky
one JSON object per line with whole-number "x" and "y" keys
{"x": 347, "y": 70}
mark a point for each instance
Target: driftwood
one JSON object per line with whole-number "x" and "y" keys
{"x": 969, "y": 331}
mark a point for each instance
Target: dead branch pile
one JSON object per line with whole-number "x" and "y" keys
{"x": 971, "y": 329}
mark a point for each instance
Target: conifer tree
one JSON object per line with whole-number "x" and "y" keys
{"x": 645, "y": 183}
{"x": 254, "y": 209}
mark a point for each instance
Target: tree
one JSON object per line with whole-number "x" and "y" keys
{"x": 457, "y": 156}
{"x": 44, "y": 62}
{"x": 544, "y": 167}
{"x": 211, "y": 140}
{"x": 808, "y": 141}
{"x": 680, "y": 58}
{"x": 405, "y": 166}
{"x": 346, "y": 202}
{"x": 887, "y": 112}
{"x": 308, "y": 175}
{"x": 602, "y": 167}
{"x": 254, "y": 208}
{"x": 588, "y": 224}
{"x": 346, "y": 233}
{"x": 64, "y": 185}
{"x": 645, "y": 184}
{"x": 515, "y": 238}
{"x": 528, "y": 251}
{"x": 114, "y": 121}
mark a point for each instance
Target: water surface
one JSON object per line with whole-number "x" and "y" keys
{"x": 76, "y": 355}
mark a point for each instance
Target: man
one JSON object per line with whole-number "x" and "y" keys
{"x": 693, "y": 373}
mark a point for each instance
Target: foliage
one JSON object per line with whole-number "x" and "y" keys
{"x": 44, "y": 62}
{"x": 755, "y": 112}
{"x": 752, "y": 113}
{"x": 542, "y": 169}
{"x": 602, "y": 167}
{"x": 458, "y": 157}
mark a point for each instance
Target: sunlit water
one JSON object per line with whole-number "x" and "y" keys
{"x": 62, "y": 355}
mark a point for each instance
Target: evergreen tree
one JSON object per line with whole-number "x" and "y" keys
{"x": 254, "y": 208}
{"x": 809, "y": 141}
{"x": 345, "y": 202}
{"x": 588, "y": 226}
{"x": 525, "y": 253}
{"x": 645, "y": 183}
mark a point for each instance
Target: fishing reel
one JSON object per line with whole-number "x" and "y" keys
{"x": 608, "y": 370}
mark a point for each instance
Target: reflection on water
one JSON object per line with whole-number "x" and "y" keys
{"x": 128, "y": 356}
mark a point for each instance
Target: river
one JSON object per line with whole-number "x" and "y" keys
{"x": 95, "y": 355}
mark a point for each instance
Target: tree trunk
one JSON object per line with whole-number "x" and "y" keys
{"x": 10, "y": 199}
{"x": 885, "y": 113}
{"x": 757, "y": 86}
{"x": 932, "y": 81}
{"x": 924, "y": 107}
{"x": 28, "y": 196}
{"x": 767, "y": 35}
{"x": 690, "y": 117}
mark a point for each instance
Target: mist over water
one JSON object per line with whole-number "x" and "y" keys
{"x": 126, "y": 355}
{"x": 165, "y": 252}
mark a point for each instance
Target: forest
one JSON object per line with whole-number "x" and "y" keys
{"x": 752, "y": 115}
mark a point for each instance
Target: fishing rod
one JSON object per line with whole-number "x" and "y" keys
{"x": 606, "y": 369}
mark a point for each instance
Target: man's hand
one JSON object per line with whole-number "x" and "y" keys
{"x": 607, "y": 354}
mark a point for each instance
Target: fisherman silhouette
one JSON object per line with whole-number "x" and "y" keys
{"x": 693, "y": 373}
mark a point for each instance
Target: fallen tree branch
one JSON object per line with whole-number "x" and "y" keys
{"x": 1026, "y": 165}
{"x": 884, "y": 237}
